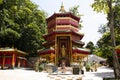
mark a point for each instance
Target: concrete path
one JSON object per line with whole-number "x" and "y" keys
{"x": 26, "y": 74}
{"x": 102, "y": 72}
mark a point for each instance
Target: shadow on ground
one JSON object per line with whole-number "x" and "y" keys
{"x": 27, "y": 68}
{"x": 105, "y": 74}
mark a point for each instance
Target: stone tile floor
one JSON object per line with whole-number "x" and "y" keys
{"x": 26, "y": 74}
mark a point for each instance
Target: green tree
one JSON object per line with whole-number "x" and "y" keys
{"x": 90, "y": 46}
{"x": 74, "y": 11}
{"x": 10, "y": 36}
{"x": 103, "y": 49}
{"x": 103, "y": 28}
{"x": 107, "y": 7}
{"x": 104, "y": 45}
{"x": 31, "y": 39}
{"x": 23, "y": 18}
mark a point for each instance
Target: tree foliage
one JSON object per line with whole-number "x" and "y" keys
{"x": 10, "y": 36}
{"x": 103, "y": 28}
{"x": 74, "y": 11}
{"x": 101, "y": 6}
{"x": 90, "y": 46}
{"x": 21, "y": 25}
{"x": 105, "y": 41}
{"x": 111, "y": 8}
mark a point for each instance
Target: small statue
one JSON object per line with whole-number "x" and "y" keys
{"x": 63, "y": 67}
{"x": 52, "y": 56}
{"x": 75, "y": 57}
{"x": 80, "y": 64}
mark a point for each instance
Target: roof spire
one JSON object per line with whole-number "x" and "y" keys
{"x": 62, "y": 10}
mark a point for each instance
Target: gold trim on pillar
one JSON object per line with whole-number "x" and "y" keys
{"x": 13, "y": 60}
{"x": 71, "y": 58}
{"x": 3, "y": 64}
{"x": 56, "y": 50}
{"x": 18, "y": 63}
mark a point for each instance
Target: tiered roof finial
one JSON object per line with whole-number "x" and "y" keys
{"x": 62, "y": 10}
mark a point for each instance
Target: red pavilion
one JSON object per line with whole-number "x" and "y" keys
{"x": 10, "y": 58}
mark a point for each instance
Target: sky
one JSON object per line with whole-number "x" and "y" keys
{"x": 91, "y": 20}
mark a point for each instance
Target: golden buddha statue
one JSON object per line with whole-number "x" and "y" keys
{"x": 63, "y": 51}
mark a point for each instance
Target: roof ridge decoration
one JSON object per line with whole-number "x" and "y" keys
{"x": 62, "y": 9}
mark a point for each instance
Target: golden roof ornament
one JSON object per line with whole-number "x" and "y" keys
{"x": 62, "y": 10}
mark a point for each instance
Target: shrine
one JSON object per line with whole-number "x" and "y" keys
{"x": 63, "y": 40}
{"x": 10, "y": 58}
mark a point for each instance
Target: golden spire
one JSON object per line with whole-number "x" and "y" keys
{"x": 62, "y": 10}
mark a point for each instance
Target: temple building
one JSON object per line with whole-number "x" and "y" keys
{"x": 63, "y": 40}
{"x": 10, "y": 58}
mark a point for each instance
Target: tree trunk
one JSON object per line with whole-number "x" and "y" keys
{"x": 115, "y": 58}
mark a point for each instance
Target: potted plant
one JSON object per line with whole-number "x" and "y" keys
{"x": 87, "y": 67}
{"x": 40, "y": 68}
{"x": 36, "y": 66}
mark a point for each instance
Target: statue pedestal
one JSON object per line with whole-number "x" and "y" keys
{"x": 76, "y": 70}
{"x": 49, "y": 67}
{"x": 75, "y": 67}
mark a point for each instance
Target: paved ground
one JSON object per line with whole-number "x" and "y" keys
{"x": 26, "y": 74}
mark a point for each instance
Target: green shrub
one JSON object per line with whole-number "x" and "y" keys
{"x": 87, "y": 67}
{"x": 40, "y": 68}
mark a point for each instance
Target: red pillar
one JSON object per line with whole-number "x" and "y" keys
{"x": 24, "y": 63}
{"x": 3, "y": 63}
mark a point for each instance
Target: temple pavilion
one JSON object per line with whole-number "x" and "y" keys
{"x": 63, "y": 40}
{"x": 10, "y": 58}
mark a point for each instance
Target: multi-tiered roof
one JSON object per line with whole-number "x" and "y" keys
{"x": 63, "y": 24}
